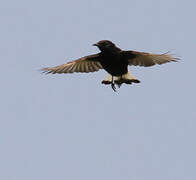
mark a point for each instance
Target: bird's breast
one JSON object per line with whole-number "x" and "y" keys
{"x": 114, "y": 65}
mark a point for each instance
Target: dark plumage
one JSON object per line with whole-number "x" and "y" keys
{"x": 114, "y": 60}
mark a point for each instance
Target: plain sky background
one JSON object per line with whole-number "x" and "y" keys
{"x": 73, "y": 127}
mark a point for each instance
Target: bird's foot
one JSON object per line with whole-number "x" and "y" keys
{"x": 118, "y": 83}
{"x": 113, "y": 87}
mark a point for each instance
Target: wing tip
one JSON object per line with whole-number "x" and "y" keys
{"x": 46, "y": 70}
{"x": 172, "y": 57}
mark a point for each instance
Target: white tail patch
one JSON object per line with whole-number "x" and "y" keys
{"x": 127, "y": 78}
{"x": 109, "y": 78}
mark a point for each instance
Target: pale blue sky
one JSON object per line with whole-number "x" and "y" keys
{"x": 73, "y": 127}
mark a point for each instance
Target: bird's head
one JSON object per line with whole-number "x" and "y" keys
{"x": 105, "y": 45}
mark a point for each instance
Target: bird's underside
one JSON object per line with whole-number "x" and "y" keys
{"x": 114, "y": 61}
{"x": 127, "y": 78}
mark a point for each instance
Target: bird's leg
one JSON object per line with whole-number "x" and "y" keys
{"x": 120, "y": 82}
{"x": 113, "y": 85}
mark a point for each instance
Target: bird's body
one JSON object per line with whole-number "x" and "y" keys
{"x": 114, "y": 60}
{"x": 113, "y": 63}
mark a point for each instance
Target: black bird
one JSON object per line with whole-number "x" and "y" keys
{"x": 114, "y": 60}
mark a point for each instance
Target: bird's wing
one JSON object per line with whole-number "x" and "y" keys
{"x": 147, "y": 59}
{"x": 85, "y": 64}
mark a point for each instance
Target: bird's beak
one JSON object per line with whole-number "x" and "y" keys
{"x": 95, "y": 44}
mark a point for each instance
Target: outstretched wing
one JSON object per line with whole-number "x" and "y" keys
{"x": 147, "y": 59}
{"x": 85, "y": 64}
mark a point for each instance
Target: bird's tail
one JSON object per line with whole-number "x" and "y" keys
{"x": 127, "y": 78}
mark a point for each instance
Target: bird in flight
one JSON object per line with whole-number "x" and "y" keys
{"x": 113, "y": 60}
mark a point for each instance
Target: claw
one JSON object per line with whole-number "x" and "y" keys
{"x": 119, "y": 85}
{"x": 118, "y": 82}
{"x": 113, "y": 87}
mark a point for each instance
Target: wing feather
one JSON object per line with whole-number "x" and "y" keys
{"x": 85, "y": 64}
{"x": 147, "y": 59}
